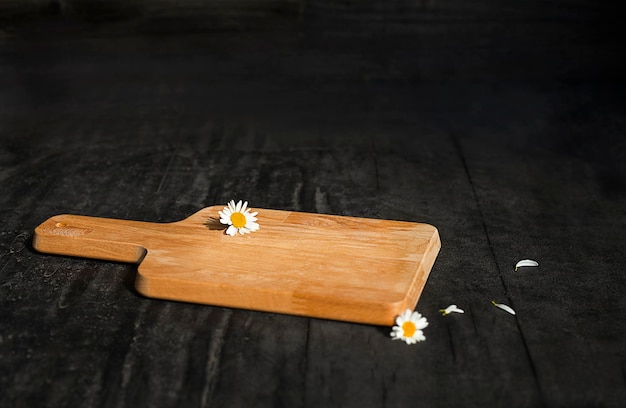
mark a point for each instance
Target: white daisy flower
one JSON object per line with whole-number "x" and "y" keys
{"x": 238, "y": 218}
{"x": 409, "y": 327}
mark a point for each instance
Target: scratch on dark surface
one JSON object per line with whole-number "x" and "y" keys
{"x": 296, "y": 197}
{"x": 321, "y": 202}
{"x": 384, "y": 395}
{"x": 531, "y": 361}
{"x": 495, "y": 260}
{"x": 130, "y": 359}
{"x": 476, "y": 331}
{"x": 305, "y": 364}
{"x": 18, "y": 243}
{"x": 213, "y": 358}
{"x": 167, "y": 170}
{"x": 487, "y": 352}
{"x": 375, "y": 160}
{"x": 457, "y": 146}
{"x": 50, "y": 272}
{"x": 451, "y": 343}
{"x": 62, "y": 302}
{"x": 376, "y": 175}
{"x": 5, "y": 283}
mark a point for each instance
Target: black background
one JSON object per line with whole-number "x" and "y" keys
{"x": 501, "y": 123}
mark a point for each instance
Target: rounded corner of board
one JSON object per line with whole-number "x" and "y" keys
{"x": 36, "y": 241}
{"x": 431, "y": 227}
{"x": 47, "y": 224}
{"x": 435, "y": 238}
{"x": 45, "y": 231}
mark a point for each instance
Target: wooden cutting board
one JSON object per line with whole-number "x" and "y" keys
{"x": 325, "y": 266}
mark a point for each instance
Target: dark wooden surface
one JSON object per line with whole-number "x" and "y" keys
{"x": 501, "y": 124}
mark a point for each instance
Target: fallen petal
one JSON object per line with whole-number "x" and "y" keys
{"x": 451, "y": 309}
{"x": 526, "y": 262}
{"x": 504, "y": 307}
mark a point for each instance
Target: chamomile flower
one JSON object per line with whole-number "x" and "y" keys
{"x": 409, "y": 327}
{"x": 238, "y": 218}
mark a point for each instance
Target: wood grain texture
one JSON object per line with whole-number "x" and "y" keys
{"x": 344, "y": 268}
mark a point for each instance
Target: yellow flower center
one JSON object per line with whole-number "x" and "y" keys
{"x": 238, "y": 220}
{"x": 409, "y": 329}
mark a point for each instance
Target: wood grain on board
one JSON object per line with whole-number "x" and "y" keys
{"x": 335, "y": 267}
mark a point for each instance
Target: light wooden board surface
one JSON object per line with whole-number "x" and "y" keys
{"x": 325, "y": 266}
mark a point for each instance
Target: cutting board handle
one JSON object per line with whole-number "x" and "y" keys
{"x": 92, "y": 237}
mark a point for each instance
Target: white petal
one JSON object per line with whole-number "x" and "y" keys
{"x": 243, "y": 208}
{"x": 224, "y": 219}
{"x": 421, "y": 323}
{"x": 238, "y": 207}
{"x": 504, "y": 307}
{"x": 419, "y": 336}
{"x": 231, "y": 231}
{"x": 526, "y": 262}
{"x": 451, "y": 309}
